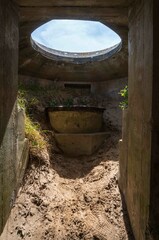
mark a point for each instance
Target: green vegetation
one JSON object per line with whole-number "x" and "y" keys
{"x": 53, "y": 103}
{"x": 34, "y": 134}
{"x": 35, "y": 99}
{"x": 32, "y": 129}
{"x": 21, "y": 99}
{"x": 124, "y": 94}
{"x": 68, "y": 102}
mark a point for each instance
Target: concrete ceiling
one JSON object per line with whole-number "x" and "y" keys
{"x": 34, "y": 13}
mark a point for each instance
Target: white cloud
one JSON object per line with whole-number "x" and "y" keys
{"x": 75, "y": 36}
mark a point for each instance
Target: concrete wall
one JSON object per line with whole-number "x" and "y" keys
{"x": 154, "y": 195}
{"x": 140, "y": 112}
{"x": 139, "y": 154}
{"x": 9, "y": 155}
{"x": 8, "y": 110}
{"x": 109, "y": 88}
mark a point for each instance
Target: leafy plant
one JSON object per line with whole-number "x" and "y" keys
{"x": 124, "y": 94}
{"x": 53, "y": 103}
{"x": 21, "y": 99}
{"x": 68, "y": 102}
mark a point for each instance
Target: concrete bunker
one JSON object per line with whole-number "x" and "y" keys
{"x": 141, "y": 175}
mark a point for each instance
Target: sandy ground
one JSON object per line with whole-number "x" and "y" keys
{"x": 65, "y": 198}
{"x": 71, "y": 198}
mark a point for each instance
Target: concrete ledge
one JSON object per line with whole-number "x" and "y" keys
{"x": 76, "y": 58}
{"x": 23, "y": 161}
{"x": 76, "y": 119}
{"x": 123, "y": 160}
{"x": 23, "y": 157}
{"x": 80, "y": 144}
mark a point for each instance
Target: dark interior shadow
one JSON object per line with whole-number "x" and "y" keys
{"x": 6, "y": 111}
{"x": 126, "y": 219}
{"x": 8, "y": 65}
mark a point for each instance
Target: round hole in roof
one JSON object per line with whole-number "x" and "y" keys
{"x": 75, "y": 41}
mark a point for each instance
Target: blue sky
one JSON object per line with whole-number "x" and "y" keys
{"x": 75, "y": 36}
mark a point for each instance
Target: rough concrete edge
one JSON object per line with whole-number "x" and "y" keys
{"x": 22, "y": 167}
{"x": 91, "y": 150}
{"x": 23, "y": 163}
{"x": 120, "y": 157}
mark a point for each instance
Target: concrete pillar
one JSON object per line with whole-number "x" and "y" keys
{"x": 154, "y": 187}
{"x": 140, "y": 113}
{"x": 8, "y": 109}
{"x": 142, "y": 188}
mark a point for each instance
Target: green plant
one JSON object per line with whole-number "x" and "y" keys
{"x": 21, "y": 99}
{"x": 53, "y": 103}
{"x": 32, "y": 129}
{"x": 68, "y": 102}
{"x": 124, "y": 94}
{"x": 33, "y": 101}
{"x": 33, "y": 133}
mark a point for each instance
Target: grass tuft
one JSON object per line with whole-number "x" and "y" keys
{"x": 32, "y": 130}
{"x": 33, "y": 133}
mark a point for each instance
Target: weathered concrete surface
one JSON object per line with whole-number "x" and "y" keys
{"x": 80, "y": 144}
{"x": 76, "y": 119}
{"x": 109, "y": 88}
{"x": 9, "y": 161}
{"x": 8, "y": 110}
{"x": 154, "y": 198}
{"x": 136, "y": 184}
{"x": 70, "y": 3}
{"x": 23, "y": 157}
{"x": 123, "y": 161}
{"x": 140, "y": 113}
{"x": 34, "y": 13}
{"x": 64, "y": 56}
{"x": 22, "y": 146}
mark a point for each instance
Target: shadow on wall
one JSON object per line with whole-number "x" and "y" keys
{"x": 8, "y": 64}
{"x": 126, "y": 219}
{"x": 8, "y": 108}
{"x": 7, "y": 113}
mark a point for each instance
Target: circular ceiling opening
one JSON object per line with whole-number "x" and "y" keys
{"x": 75, "y": 41}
